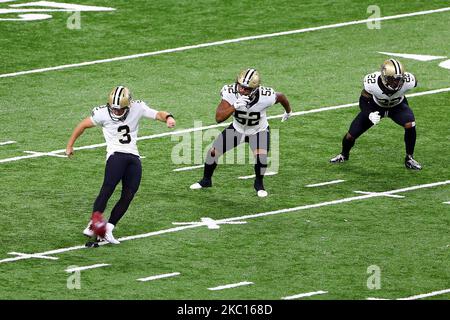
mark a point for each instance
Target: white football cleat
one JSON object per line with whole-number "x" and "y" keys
{"x": 88, "y": 232}
{"x": 109, "y": 236}
{"x": 262, "y": 193}
{"x": 196, "y": 186}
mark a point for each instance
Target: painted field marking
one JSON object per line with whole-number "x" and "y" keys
{"x": 419, "y": 296}
{"x": 268, "y": 173}
{"x": 171, "y": 133}
{"x": 87, "y": 267}
{"x": 324, "y": 183}
{"x": 302, "y": 295}
{"x": 210, "y": 223}
{"x": 188, "y": 168}
{"x": 218, "y": 43}
{"x": 161, "y": 276}
{"x": 7, "y": 142}
{"x": 233, "y": 285}
{"x": 446, "y": 202}
{"x": 381, "y": 194}
{"x": 250, "y": 216}
{"x": 426, "y": 295}
{"x": 50, "y": 154}
{"x": 37, "y": 256}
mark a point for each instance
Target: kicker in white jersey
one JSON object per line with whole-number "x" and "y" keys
{"x": 121, "y": 136}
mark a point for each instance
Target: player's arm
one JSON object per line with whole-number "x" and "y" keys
{"x": 224, "y": 111}
{"x": 78, "y": 131}
{"x": 366, "y": 102}
{"x": 283, "y": 100}
{"x": 166, "y": 117}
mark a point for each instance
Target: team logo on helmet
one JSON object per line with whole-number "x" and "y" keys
{"x": 392, "y": 74}
{"x": 119, "y": 103}
{"x": 249, "y": 79}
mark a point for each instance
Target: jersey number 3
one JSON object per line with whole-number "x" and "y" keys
{"x": 125, "y": 131}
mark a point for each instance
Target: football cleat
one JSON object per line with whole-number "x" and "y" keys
{"x": 338, "y": 159}
{"x": 259, "y": 187}
{"x": 262, "y": 193}
{"x": 410, "y": 163}
{"x": 201, "y": 184}
{"x": 108, "y": 234}
{"x": 88, "y": 232}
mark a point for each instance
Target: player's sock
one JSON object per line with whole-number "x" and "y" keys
{"x": 347, "y": 145}
{"x": 121, "y": 206}
{"x": 410, "y": 140}
{"x": 260, "y": 170}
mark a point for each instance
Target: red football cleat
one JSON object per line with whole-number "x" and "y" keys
{"x": 98, "y": 224}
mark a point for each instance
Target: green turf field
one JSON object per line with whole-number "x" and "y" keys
{"x": 47, "y": 201}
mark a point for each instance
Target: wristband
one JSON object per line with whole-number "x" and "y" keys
{"x": 169, "y": 116}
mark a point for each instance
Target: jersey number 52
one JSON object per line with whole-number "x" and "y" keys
{"x": 252, "y": 119}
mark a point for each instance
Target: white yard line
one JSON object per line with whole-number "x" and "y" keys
{"x": 233, "y": 285}
{"x": 268, "y": 173}
{"x": 37, "y": 256}
{"x": 167, "y": 275}
{"x": 241, "y": 218}
{"x": 189, "y": 130}
{"x": 223, "y": 42}
{"x": 324, "y": 183}
{"x": 446, "y": 202}
{"x": 87, "y": 267}
{"x": 7, "y": 142}
{"x": 302, "y": 295}
{"x": 381, "y": 194}
{"x": 50, "y": 154}
{"x": 419, "y": 296}
{"x": 426, "y": 295}
{"x": 188, "y": 168}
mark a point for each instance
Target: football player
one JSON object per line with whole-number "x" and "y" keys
{"x": 247, "y": 101}
{"x": 384, "y": 96}
{"x": 119, "y": 120}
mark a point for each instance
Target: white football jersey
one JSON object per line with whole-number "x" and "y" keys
{"x": 121, "y": 136}
{"x": 254, "y": 119}
{"x": 384, "y": 99}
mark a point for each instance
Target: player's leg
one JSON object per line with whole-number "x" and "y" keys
{"x": 260, "y": 144}
{"x": 404, "y": 116}
{"x": 358, "y": 126}
{"x": 227, "y": 140}
{"x": 114, "y": 170}
{"x": 130, "y": 185}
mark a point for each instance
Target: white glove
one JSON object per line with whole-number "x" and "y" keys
{"x": 241, "y": 103}
{"x": 286, "y": 116}
{"x": 374, "y": 117}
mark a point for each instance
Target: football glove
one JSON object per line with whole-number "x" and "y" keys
{"x": 286, "y": 116}
{"x": 374, "y": 117}
{"x": 241, "y": 103}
